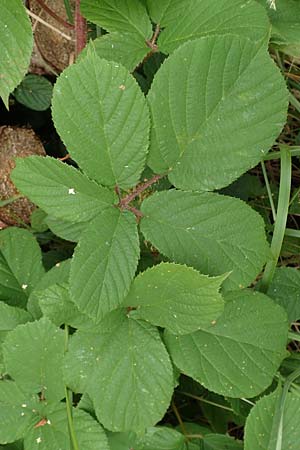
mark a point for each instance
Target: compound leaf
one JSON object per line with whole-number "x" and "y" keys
{"x": 211, "y": 123}
{"x": 259, "y": 433}
{"x": 240, "y": 354}
{"x": 213, "y": 233}
{"x": 16, "y": 46}
{"x": 176, "y": 297}
{"x": 192, "y": 19}
{"x": 102, "y": 117}
{"x": 33, "y": 355}
{"x": 60, "y": 190}
{"x": 20, "y": 265}
{"x": 129, "y": 391}
{"x": 128, "y": 16}
{"x": 104, "y": 263}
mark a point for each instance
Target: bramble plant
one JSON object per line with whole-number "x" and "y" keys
{"x": 173, "y": 284}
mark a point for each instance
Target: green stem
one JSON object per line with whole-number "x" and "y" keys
{"x": 269, "y": 191}
{"x": 204, "y": 400}
{"x": 69, "y": 11}
{"x": 281, "y": 218}
{"x": 68, "y": 393}
{"x": 294, "y": 101}
{"x": 295, "y": 151}
{"x": 294, "y": 336}
{"x": 292, "y": 233}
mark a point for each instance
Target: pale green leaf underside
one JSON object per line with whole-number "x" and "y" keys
{"x": 259, "y": 424}
{"x": 176, "y": 297}
{"x": 217, "y": 104}
{"x": 55, "y": 303}
{"x": 69, "y": 231}
{"x": 33, "y": 356}
{"x": 129, "y": 391}
{"x": 20, "y": 265}
{"x": 16, "y": 415}
{"x": 191, "y": 19}
{"x": 240, "y": 354}
{"x": 285, "y": 290}
{"x": 16, "y": 46}
{"x": 60, "y": 190}
{"x": 127, "y": 49}
{"x": 125, "y": 16}
{"x": 104, "y": 263}
{"x": 213, "y": 233}
{"x": 103, "y": 119}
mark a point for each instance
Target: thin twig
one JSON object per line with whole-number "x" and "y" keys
{"x": 43, "y": 22}
{"x": 80, "y": 29}
{"x": 54, "y": 15}
{"x": 152, "y": 42}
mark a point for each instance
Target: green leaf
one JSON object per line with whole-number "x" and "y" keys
{"x": 211, "y": 124}
{"x": 191, "y": 19}
{"x": 56, "y": 304}
{"x": 119, "y": 441}
{"x": 285, "y": 22}
{"x": 285, "y": 290}
{"x": 58, "y": 274}
{"x": 11, "y": 317}
{"x": 213, "y": 233}
{"x": 34, "y": 92}
{"x": 258, "y": 432}
{"x": 20, "y": 265}
{"x": 60, "y": 190}
{"x": 16, "y": 415}
{"x": 161, "y": 438}
{"x": 176, "y": 297}
{"x": 104, "y": 263}
{"x": 103, "y": 119}
{"x": 69, "y": 231}
{"x": 221, "y": 442}
{"x": 128, "y": 16}
{"x": 16, "y": 46}
{"x": 129, "y": 392}
{"x": 240, "y": 354}
{"x": 89, "y": 432}
{"x": 127, "y": 49}
{"x": 33, "y": 356}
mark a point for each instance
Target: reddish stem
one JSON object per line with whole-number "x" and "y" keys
{"x": 80, "y": 29}
{"x": 124, "y": 202}
{"x": 54, "y": 15}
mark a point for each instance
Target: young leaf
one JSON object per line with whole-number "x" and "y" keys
{"x": 102, "y": 117}
{"x": 58, "y": 274}
{"x": 259, "y": 434}
{"x": 16, "y": 46}
{"x": 20, "y": 265}
{"x": 60, "y": 190}
{"x": 240, "y": 354}
{"x": 56, "y": 304}
{"x": 213, "y": 233}
{"x": 16, "y": 416}
{"x": 125, "y": 48}
{"x": 285, "y": 290}
{"x": 33, "y": 356}
{"x": 191, "y": 19}
{"x": 128, "y": 16}
{"x": 129, "y": 391}
{"x": 104, "y": 263}
{"x": 34, "y": 92}
{"x": 176, "y": 297}
{"x": 211, "y": 124}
